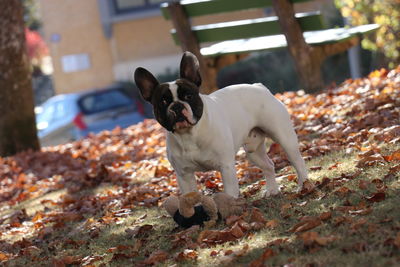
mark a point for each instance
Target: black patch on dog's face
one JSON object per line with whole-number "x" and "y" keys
{"x": 162, "y": 99}
{"x": 167, "y": 110}
{"x": 189, "y": 93}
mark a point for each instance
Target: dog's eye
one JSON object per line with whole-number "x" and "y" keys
{"x": 188, "y": 97}
{"x": 164, "y": 101}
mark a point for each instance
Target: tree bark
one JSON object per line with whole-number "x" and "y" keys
{"x": 307, "y": 59}
{"x": 190, "y": 43}
{"x": 17, "y": 118}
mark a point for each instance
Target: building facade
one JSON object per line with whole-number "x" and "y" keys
{"x": 94, "y": 43}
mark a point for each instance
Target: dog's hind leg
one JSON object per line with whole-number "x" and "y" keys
{"x": 257, "y": 155}
{"x": 288, "y": 141}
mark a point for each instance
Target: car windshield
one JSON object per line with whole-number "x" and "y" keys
{"x": 104, "y": 101}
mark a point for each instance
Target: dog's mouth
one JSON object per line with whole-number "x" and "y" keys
{"x": 183, "y": 124}
{"x": 181, "y": 119}
{"x": 185, "y": 121}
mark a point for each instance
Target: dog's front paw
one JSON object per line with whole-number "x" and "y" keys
{"x": 271, "y": 191}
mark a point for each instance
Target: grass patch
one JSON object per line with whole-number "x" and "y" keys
{"x": 360, "y": 240}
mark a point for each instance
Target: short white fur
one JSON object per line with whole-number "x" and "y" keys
{"x": 234, "y": 116}
{"x": 230, "y": 118}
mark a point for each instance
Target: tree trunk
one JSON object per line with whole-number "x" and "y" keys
{"x": 189, "y": 43}
{"x": 307, "y": 59}
{"x": 17, "y": 118}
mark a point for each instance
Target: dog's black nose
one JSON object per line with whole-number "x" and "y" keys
{"x": 177, "y": 108}
{"x": 175, "y": 112}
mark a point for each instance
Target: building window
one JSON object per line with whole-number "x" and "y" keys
{"x": 129, "y": 6}
{"x": 77, "y": 62}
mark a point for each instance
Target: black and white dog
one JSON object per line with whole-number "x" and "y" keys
{"x": 206, "y": 131}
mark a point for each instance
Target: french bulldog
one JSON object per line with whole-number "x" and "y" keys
{"x": 204, "y": 132}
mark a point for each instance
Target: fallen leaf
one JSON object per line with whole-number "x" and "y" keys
{"x": 88, "y": 260}
{"x": 315, "y": 168}
{"x": 187, "y": 254}
{"x": 343, "y": 191}
{"x": 395, "y": 156}
{"x": 312, "y": 238}
{"x": 376, "y": 197}
{"x": 4, "y": 256}
{"x": 156, "y": 257}
{"x": 308, "y": 188}
{"x": 71, "y": 260}
{"x": 357, "y": 224}
{"x": 272, "y": 223}
{"x": 237, "y": 231}
{"x": 361, "y": 211}
{"x": 306, "y": 224}
{"x": 231, "y": 220}
{"x": 140, "y": 231}
{"x": 214, "y": 253}
{"x": 325, "y": 215}
{"x": 259, "y": 262}
{"x": 257, "y": 216}
{"x": 370, "y": 160}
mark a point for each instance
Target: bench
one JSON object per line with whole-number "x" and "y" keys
{"x": 219, "y": 44}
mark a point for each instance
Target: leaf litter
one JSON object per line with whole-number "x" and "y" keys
{"x": 105, "y": 178}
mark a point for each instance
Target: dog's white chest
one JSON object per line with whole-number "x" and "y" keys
{"x": 189, "y": 155}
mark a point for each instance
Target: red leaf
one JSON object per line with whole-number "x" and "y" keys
{"x": 395, "y": 156}
{"x": 376, "y": 197}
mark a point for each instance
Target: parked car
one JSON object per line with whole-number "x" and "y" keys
{"x": 68, "y": 117}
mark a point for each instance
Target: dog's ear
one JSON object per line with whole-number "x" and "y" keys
{"x": 146, "y": 82}
{"x": 190, "y": 68}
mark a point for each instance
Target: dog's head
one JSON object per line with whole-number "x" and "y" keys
{"x": 177, "y": 105}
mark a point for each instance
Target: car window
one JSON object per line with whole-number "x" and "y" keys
{"x": 104, "y": 101}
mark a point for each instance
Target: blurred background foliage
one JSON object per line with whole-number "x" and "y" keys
{"x": 38, "y": 52}
{"x": 383, "y": 12}
{"x": 31, "y": 14}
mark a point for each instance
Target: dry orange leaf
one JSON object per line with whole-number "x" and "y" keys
{"x": 395, "y": 156}
{"x": 4, "y": 256}
{"x": 187, "y": 254}
{"x": 306, "y": 224}
{"x": 272, "y": 223}
{"x": 259, "y": 262}
{"x": 310, "y": 238}
{"x": 257, "y": 216}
